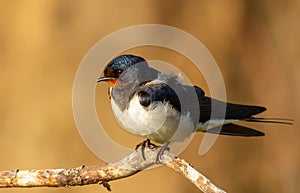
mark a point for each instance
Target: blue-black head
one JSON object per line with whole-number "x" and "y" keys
{"x": 117, "y": 66}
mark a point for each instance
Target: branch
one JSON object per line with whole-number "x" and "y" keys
{"x": 102, "y": 174}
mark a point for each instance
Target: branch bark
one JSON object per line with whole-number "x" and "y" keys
{"x": 102, "y": 174}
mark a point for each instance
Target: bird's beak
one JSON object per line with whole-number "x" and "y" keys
{"x": 104, "y": 79}
{"x": 110, "y": 80}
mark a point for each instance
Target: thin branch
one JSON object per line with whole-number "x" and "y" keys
{"x": 102, "y": 174}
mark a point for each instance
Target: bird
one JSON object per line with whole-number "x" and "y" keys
{"x": 159, "y": 107}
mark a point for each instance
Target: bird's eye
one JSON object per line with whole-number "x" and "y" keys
{"x": 118, "y": 72}
{"x": 144, "y": 98}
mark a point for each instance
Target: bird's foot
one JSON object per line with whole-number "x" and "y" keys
{"x": 143, "y": 145}
{"x": 161, "y": 151}
{"x": 147, "y": 143}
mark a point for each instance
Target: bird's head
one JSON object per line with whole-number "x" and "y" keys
{"x": 117, "y": 66}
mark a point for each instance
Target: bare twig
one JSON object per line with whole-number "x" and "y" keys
{"x": 102, "y": 174}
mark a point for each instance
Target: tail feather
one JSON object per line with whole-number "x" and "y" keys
{"x": 270, "y": 120}
{"x": 235, "y": 130}
{"x": 238, "y": 130}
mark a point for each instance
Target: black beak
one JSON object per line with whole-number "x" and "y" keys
{"x": 105, "y": 79}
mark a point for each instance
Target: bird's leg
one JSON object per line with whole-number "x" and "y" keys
{"x": 161, "y": 151}
{"x": 143, "y": 145}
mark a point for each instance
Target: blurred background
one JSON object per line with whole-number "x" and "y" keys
{"x": 255, "y": 43}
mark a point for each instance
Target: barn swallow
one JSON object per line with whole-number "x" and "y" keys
{"x": 153, "y": 105}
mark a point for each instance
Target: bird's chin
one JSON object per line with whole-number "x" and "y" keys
{"x": 112, "y": 82}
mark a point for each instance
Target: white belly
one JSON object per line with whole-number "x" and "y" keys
{"x": 158, "y": 122}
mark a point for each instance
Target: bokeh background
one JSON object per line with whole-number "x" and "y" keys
{"x": 255, "y": 43}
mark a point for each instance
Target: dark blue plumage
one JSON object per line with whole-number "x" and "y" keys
{"x": 116, "y": 66}
{"x": 160, "y": 92}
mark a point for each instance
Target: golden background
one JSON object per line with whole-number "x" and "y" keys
{"x": 255, "y": 43}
